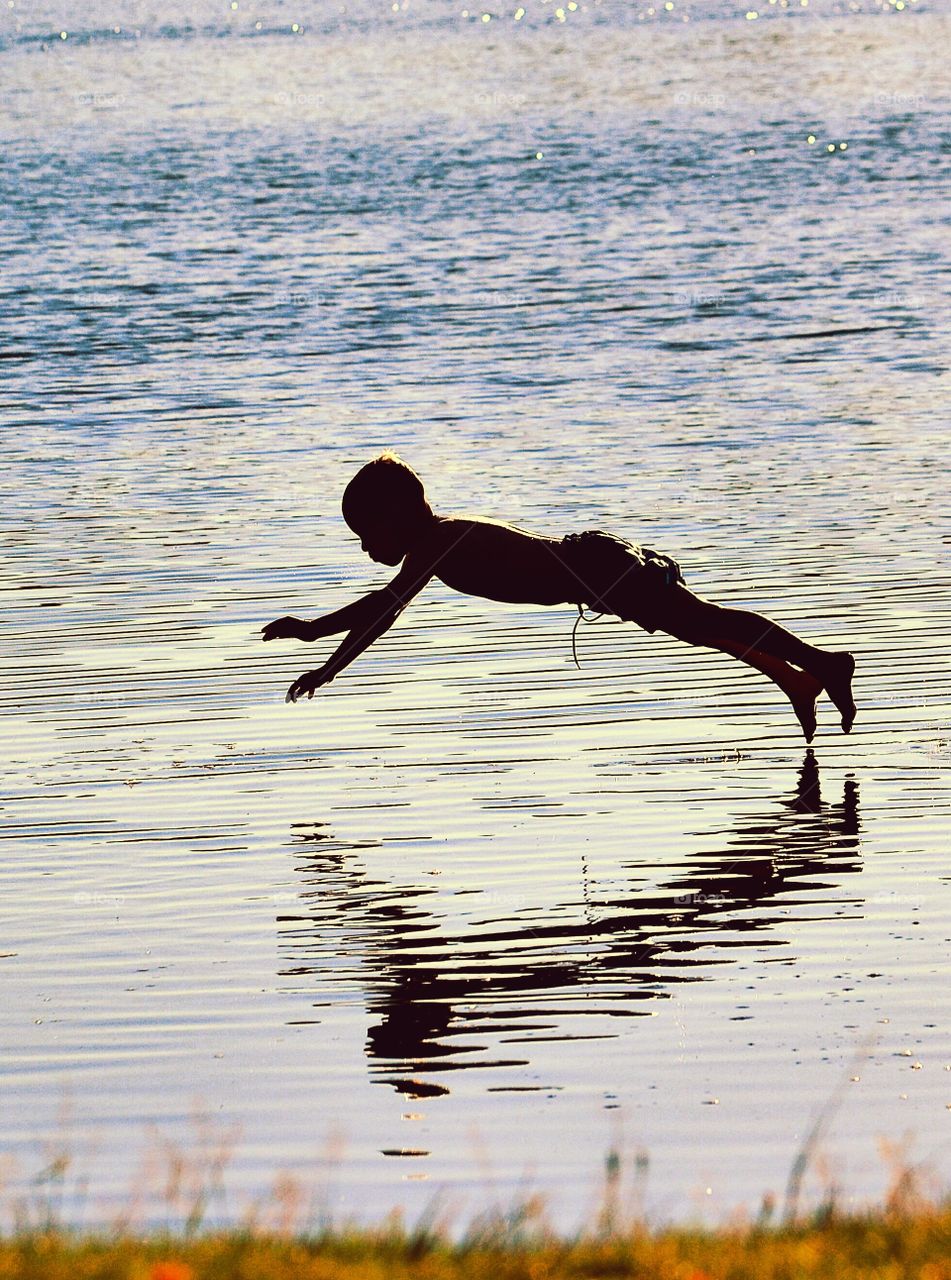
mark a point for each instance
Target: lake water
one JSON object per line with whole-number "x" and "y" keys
{"x": 473, "y": 917}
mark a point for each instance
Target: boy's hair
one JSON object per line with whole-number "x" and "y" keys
{"x": 383, "y": 489}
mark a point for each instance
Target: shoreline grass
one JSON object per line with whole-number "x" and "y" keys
{"x": 881, "y": 1243}
{"x": 286, "y": 1235}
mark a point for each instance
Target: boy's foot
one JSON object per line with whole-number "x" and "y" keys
{"x": 838, "y": 686}
{"x": 803, "y": 697}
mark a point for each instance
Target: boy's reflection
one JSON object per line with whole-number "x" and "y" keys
{"x": 437, "y": 996}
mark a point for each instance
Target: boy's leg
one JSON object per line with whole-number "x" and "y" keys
{"x": 678, "y": 611}
{"x": 800, "y": 688}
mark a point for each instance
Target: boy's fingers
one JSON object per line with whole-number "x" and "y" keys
{"x": 277, "y": 630}
{"x": 308, "y": 683}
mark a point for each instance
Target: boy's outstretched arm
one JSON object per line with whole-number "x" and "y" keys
{"x": 361, "y": 613}
{"x": 368, "y": 618}
{"x": 342, "y": 656}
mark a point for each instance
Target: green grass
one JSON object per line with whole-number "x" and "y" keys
{"x": 908, "y": 1235}
{"x": 885, "y": 1244}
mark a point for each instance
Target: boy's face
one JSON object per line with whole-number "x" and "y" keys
{"x": 380, "y": 542}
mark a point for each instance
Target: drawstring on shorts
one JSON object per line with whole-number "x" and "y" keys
{"x": 582, "y": 617}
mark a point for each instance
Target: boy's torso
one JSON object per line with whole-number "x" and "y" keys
{"x": 500, "y": 561}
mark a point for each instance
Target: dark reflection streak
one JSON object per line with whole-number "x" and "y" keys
{"x": 624, "y": 951}
{"x": 819, "y": 333}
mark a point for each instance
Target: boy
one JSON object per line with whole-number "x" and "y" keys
{"x": 386, "y": 507}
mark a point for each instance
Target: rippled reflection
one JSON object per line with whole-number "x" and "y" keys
{"x": 443, "y": 1000}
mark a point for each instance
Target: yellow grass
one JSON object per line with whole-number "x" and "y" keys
{"x": 886, "y": 1244}
{"x": 908, "y": 1235}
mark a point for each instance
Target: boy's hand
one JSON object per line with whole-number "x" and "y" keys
{"x": 308, "y": 683}
{"x": 286, "y": 628}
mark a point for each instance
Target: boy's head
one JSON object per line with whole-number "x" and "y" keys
{"x": 385, "y": 506}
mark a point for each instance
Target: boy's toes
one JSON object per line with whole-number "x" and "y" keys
{"x": 839, "y": 688}
{"x": 802, "y": 693}
{"x": 806, "y": 715}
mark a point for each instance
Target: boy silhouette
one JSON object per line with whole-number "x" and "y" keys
{"x": 385, "y": 505}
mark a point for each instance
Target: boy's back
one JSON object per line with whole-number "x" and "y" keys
{"x": 493, "y": 559}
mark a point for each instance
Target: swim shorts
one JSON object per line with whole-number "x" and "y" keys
{"x": 618, "y": 577}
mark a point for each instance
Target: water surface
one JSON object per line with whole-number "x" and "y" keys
{"x": 473, "y": 916}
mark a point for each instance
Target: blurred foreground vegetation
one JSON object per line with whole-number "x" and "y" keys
{"x": 284, "y": 1237}
{"x": 885, "y": 1244}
